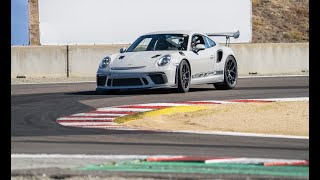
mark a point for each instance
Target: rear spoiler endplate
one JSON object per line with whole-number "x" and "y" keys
{"x": 227, "y": 35}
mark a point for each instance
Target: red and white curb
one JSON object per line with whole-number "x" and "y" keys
{"x": 103, "y": 118}
{"x": 230, "y": 160}
{"x": 168, "y": 158}
{"x": 264, "y": 161}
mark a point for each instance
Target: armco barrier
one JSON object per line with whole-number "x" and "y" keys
{"x": 39, "y": 61}
{"x": 83, "y": 60}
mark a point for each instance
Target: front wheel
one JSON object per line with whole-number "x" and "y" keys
{"x": 184, "y": 77}
{"x": 230, "y": 74}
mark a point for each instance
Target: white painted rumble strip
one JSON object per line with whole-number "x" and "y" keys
{"x": 84, "y": 118}
{"x": 79, "y": 156}
{"x": 86, "y": 123}
{"x": 97, "y": 114}
{"x": 124, "y": 109}
{"x": 250, "y": 160}
{"x": 162, "y": 104}
{"x": 214, "y": 101}
{"x": 286, "y": 99}
{"x": 109, "y": 128}
{"x": 243, "y": 134}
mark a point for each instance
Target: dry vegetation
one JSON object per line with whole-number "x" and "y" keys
{"x": 274, "y": 21}
{"x": 283, "y": 21}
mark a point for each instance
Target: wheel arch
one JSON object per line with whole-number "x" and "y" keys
{"x": 232, "y": 56}
{"x": 227, "y": 51}
{"x": 187, "y": 62}
{"x": 176, "y": 76}
{"x": 225, "y": 85}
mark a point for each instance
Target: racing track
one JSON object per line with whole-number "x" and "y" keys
{"x": 35, "y": 109}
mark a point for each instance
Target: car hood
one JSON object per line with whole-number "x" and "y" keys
{"x": 137, "y": 59}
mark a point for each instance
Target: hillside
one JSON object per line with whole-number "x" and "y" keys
{"x": 280, "y": 21}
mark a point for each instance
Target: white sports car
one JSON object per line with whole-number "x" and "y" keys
{"x": 175, "y": 59}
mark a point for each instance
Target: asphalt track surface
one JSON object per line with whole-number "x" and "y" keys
{"x": 35, "y": 108}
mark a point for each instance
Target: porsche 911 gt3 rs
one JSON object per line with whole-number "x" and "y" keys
{"x": 175, "y": 59}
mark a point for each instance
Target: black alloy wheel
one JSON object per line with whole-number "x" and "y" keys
{"x": 184, "y": 77}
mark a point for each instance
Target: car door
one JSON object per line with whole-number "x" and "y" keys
{"x": 202, "y": 62}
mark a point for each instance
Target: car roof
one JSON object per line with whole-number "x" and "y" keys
{"x": 172, "y": 32}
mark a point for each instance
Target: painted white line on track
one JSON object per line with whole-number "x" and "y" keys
{"x": 54, "y": 83}
{"x": 93, "y": 126}
{"x": 84, "y": 118}
{"x": 273, "y": 76}
{"x": 109, "y": 127}
{"x": 218, "y": 102}
{"x": 98, "y": 114}
{"x": 243, "y": 134}
{"x": 250, "y": 160}
{"x": 86, "y": 123}
{"x": 79, "y": 156}
{"x": 287, "y": 99}
{"x": 264, "y": 99}
{"x": 162, "y": 104}
{"x": 124, "y": 109}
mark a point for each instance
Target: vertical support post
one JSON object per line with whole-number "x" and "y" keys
{"x": 68, "y": 69}
{"x": 227, "y": 41}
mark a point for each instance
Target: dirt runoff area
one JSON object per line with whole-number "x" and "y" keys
{"x": 279, "y": 118}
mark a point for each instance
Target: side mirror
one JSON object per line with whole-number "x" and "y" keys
{"x": 122, "y": 50}
{"x": 199, "y": 47}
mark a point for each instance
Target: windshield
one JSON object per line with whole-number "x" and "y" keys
{"x": 160, "y": 42}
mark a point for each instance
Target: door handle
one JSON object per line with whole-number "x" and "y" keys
{"x": 212, "y": 56}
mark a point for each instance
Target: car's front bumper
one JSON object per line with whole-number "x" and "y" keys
{"x": 149, "y": 80}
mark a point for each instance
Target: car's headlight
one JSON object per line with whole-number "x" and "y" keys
{"x": 164, "y": 60}
{"x": 105, "y": 62}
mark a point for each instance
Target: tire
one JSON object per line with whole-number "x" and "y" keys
{"x": 230, "y": 75}
{"x": 184, "y": 77}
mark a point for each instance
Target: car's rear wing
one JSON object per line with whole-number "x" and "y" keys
{"x": 227, "y": 35}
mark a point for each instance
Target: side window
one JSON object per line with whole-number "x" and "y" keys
{"x": 208, "y": 45}
{"x": 210, "y": 42}
{"x": 196, "y": 39}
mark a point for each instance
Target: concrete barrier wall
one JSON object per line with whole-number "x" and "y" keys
{"x": 84, "y": 60}
{"x": 272, "y": 58}
{"x": 39, "y": 61}
{"x": 51, "y": 61}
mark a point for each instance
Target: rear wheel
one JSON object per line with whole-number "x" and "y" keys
{"x": 230, "y": 75}
{"x": 184, "y": 75}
